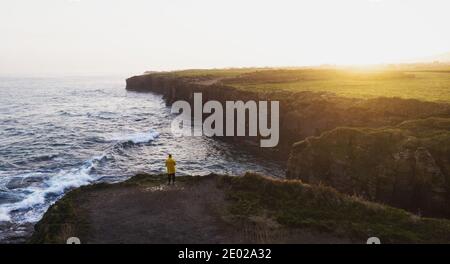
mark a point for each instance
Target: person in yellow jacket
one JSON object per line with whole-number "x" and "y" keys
{"x": 170, "y": 165}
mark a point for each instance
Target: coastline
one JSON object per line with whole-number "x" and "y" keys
{"x": 302, "y": 113}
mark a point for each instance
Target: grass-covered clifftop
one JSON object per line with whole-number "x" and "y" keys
{"x": 407, "y": 165}
{"x": 425, "y": 82}
{"x": 226, "y": 209}
{"x": 315, "y": 100}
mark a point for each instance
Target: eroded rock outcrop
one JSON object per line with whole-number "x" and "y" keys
{"x": 406, "y": 165}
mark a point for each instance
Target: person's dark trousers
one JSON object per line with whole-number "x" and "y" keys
{"x": 171, "y": 177}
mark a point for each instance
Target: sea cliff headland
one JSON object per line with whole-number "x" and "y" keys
{"x": 367, "y": 155}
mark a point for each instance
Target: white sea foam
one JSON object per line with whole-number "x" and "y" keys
{"x": 136, "y": 138}
{"x": 38, "y": 199}
{"x": 4, "y": 215}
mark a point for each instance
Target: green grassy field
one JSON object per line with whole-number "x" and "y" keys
{"x": 424, "y": 82}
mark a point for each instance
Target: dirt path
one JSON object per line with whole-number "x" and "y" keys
{"x": 175, "y": 214}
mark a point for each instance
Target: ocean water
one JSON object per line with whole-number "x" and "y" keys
{"x": 57, "y": 134}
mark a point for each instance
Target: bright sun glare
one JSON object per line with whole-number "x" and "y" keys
{"x": 102, "y": 36}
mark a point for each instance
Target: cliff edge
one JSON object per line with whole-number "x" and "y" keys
{"x": 227, "y": 209}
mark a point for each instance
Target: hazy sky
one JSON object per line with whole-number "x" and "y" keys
{"x": 131, "y": 36}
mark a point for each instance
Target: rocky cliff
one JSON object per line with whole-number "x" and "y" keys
{"x": 302, "y": 113}
{"x": 407, "y": 165}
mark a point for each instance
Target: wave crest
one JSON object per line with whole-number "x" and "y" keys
{"x": 136, "y": 138}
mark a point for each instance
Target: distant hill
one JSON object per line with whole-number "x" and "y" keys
{"x": 441, "y": 58}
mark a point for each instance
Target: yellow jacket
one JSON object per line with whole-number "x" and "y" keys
{"x": 170, "y": 165}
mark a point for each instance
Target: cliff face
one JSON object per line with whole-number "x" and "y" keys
{"x": 407, "y": 166}
{"x": 302, "y": 114}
